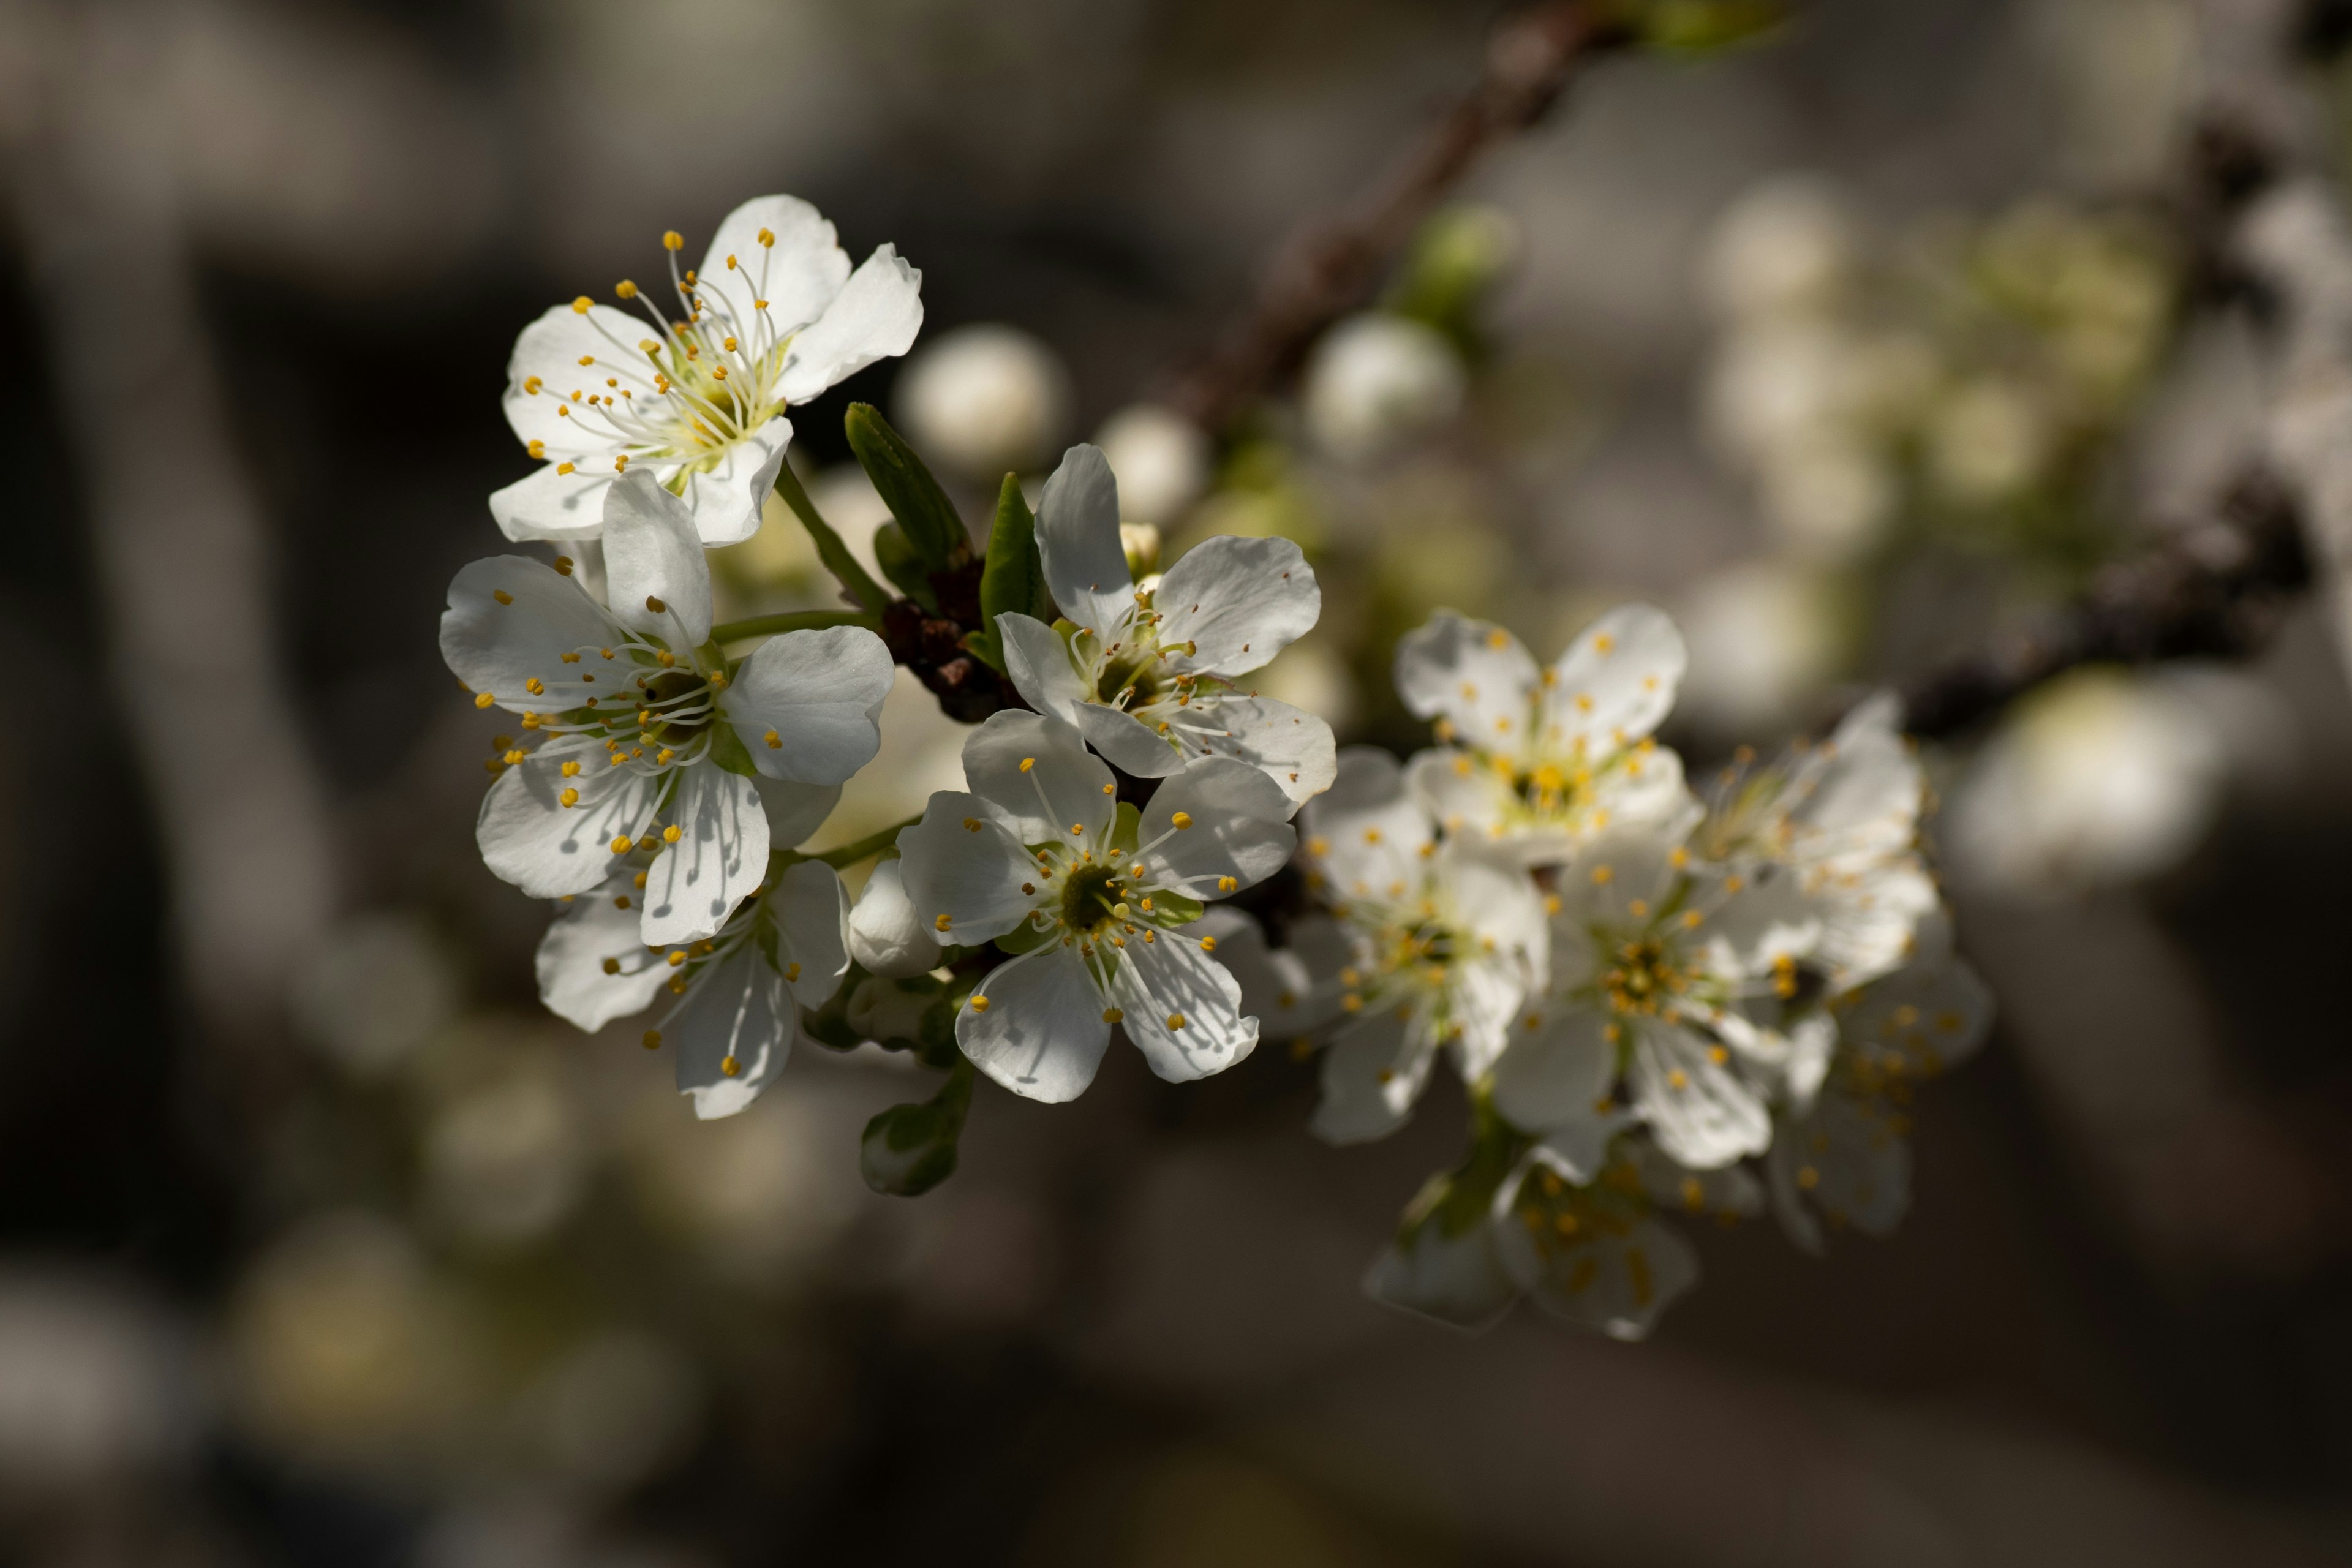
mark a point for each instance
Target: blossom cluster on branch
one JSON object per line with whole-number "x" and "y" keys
{"x": 1654, "y": 999}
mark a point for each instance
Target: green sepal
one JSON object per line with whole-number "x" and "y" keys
{"x": 1014, "y": 577}
{"x": 1023, "y": 938}
{"x": 937, "y": 535}
{"x": 1175, "y": 908}
{"x": 1459, "y": 1200}
{"x": 907, "y": 1150}
{"x": 903, "y": 564}
{"x": 727, "y": 749}
{"x": 829, "y": 1026}
{"x": 1126, "y": 827}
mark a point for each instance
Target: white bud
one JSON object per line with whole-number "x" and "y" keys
{"x": 983, "y": 399}
{"x": 1161, "y": 459}
{"x": 1376, "y": 381}
{"x": 886, "y": 936}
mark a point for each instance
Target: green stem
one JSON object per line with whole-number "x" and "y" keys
{"x": 870, "y": 595}
{"x": 789, "y": 621}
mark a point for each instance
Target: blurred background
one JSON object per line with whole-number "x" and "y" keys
{"x": 320, "y": 1244}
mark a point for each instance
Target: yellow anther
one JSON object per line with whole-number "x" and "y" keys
{"x": 534, "y": 686}
{"x": 569, "y": 798}
{"x": 768, "y": 237}
{"x": 1078, "y": 830}
{"x": 656, "y": 605}
{"x": 1112, "y": 1015}
{"x": 513, "y": 756}
{"x": 565, "y": 468}
{"x": 775, "y": 742}
{"x": 1679, "y": 858}
{"x": 1180, "y": 821}
{"x": 972, "y": 825}
{"x": 730, "y": 1066}
{"x": 537, "y": 448}
{"x": 653, "y": 1039}
{"x": 676, "y": 956}
{"x": 1602, "y": 641}
{"x": 1677, "y": 1079}
{"x": 668, "y": 659}
{"x": 673, "y": 833}
{"x": 625, "y": 289}
{"x": 1226, "y": 884}
{"x": 730, "y": 345}
{"x": 571, "y": 770}
{"x": 1175, "y": 1020}
{"x": 1498, "y": 640}
{"x": 1028, "y": 763}
{"x": 483, "y": 699}
{"x": 621, "y": 464}
{"x": 1691, "y": 918}
{"x": 1601, "y": 874}
{"x": 532, "y": 384}
{"x": 1319, "y": 845}
{"x": 980, "y": 1004}
{"x": 580, "y": 306}
{"x": 1208, "y": 945}
{"x": 621, "y": 845}
{"x": 944, "y": 923}
{"x": 673, "y": 240}
{"x": 1110, "y": 789}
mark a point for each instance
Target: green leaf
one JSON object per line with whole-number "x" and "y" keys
{"x": 906, "y": 486}
{"x": 1013, "y": 578}
{"x": 1706, "y": 26}
{"x": 1459, "y": 1200}
{"x": 907, "y": 1150}
{"x": 903, "y": 564}
{"x": 871, "y": 596}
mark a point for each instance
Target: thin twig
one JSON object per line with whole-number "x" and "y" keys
{"x": 1332, "y": 267}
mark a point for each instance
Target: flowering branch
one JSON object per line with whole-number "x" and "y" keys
{"x": 1332, "y": 266}
{"x": 2218, "y": 590}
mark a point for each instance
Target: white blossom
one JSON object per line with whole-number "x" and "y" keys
{"x": 1537, "y": 762}
{"x": 1161, "y": 459}
{"x": 1843, "y": 1155}
{"x": 1828, "y": 834}
{"x": 888, "y": 936}
{"x": 1148, "y": 673}
{"x": 738, "y": 991}
{"x": 773, "y": 316}
{"x": 1442, "y": 946}
{"x": 1376, "y": 381}
{"x": 1094, "y": 903}
{"x": 646, "y": 739}
{"x": 1655, "y": 958}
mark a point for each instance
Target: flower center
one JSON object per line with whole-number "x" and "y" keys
{"x": 1090, "y": 899}
{"x": 678, "y": 706}
{"x": 1643, "y": 977}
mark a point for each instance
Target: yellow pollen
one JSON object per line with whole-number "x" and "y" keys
{"x": 1208, "y": 945}
{"x": 673, "y": 833}
{"x": 1180, "y": 821}
{"x": 676, "y": 956}
{"x": 483, "y": 699}
{"x": 673, "y": 240}
{"x": 1603, "y": 643}
{"x": 537, "y": 448}
{"x": 1601, "y": 874}
{"x": 1226, "y": 884}
{"x": 569, "y": 798}
{"x": 1028, "y": 763}
{"x": 1175, "y": 1020}
{"x": 980, "y": 1004}
{"x": 621, "y": 845}
{"x": 564, "y": 467}
{"x": 571, "y": 770}
{"x": 580, "y": 306}
{"x": 775, "y": 742}
{"x": 944, "y": 923}
{"x": 534, "y": 686}
{"x": 656, "y": 605}
{"x": 729, "y": 1066}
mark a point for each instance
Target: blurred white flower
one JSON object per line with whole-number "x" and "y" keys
{"x": 773, "y": 316}
{"x": 95, "y": 1385}
{"x": 1785, "y": 244}
{"x": 381, "y": 985}
{"x": 1161, "y": 459}
{"x": 1986, "y": 442}
{"x": 1538, "y": 760}
{"x": 1310, "y": 676}
{"x": 1376, "y": 381}
{"x": 2100, "y": 778}
{"x": 984, "y": 399}
{"x": 1828, "y": 501}
{"x": 1779, "y": 385}
{"x": 505, "y": 1161}
{"x": 1763, "y": 639}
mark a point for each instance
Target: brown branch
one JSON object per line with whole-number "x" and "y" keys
{"x": 2217, "y": 590}
{"x": 1333, "y": 266}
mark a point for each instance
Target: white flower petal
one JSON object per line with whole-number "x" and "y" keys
{"x": 1502, "y": 911}
{"x": 1699, "y": 1110}
{"x": 888, "y": 936}
{"x": 1863, "y": 788}
{"x": 1078, "y": 542}
{"x": 551, "y": 504}
{"x": 719, "y": 860}
{"x": 1063, "y": 793}
{"x": 1278, "y": 983}
{"x": 1919, "y": 1021}
{"x": 530, "y": 837}
{"x": 1238, "y": 601}
{"x": 1042, "y": 1033}
{"x": 1553, "y": 1075}
{"x": 653, "y": 555}
{"x": 798, "y": 274}
{"x": 1235, "y": 827}
{"x": 496, "y": 646}
{"x": 1616, "y": 680}
{"x": 1471, "y": 673}
{"x": 1457, "y": 1281}
{"x": 1471, "y": 800}
{"x": 1370, "y": 1075}
{"x": 876, "y": 315}
{"x": 965, "y": 863}
{"x": 1126, "y": 742}
{"x": 1846, "y": 1160}
{"x": 1365, "y": 833}
{"x": 1038, "y": 663}
{"x": 1621, "y": 868}
{"x": 728, "y": 499}
{"x": 1615, "y": 1284}
{"x": 794, "y": 810}
{"x": 819, "y": 694}
{"x": 590, "y": 931}
{"x": 1729, "y": 1190}
{"x": 549, "y": 352}
{"x": 738, "y": 1011}
{"x": 1180, "y": 1007}
{"x": 1289, "y": 745}
{"x": 812, "y": 911}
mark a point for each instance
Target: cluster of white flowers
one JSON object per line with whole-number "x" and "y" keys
{"x": 1644, "y": 991}
{"x": 1641, "y": 991}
